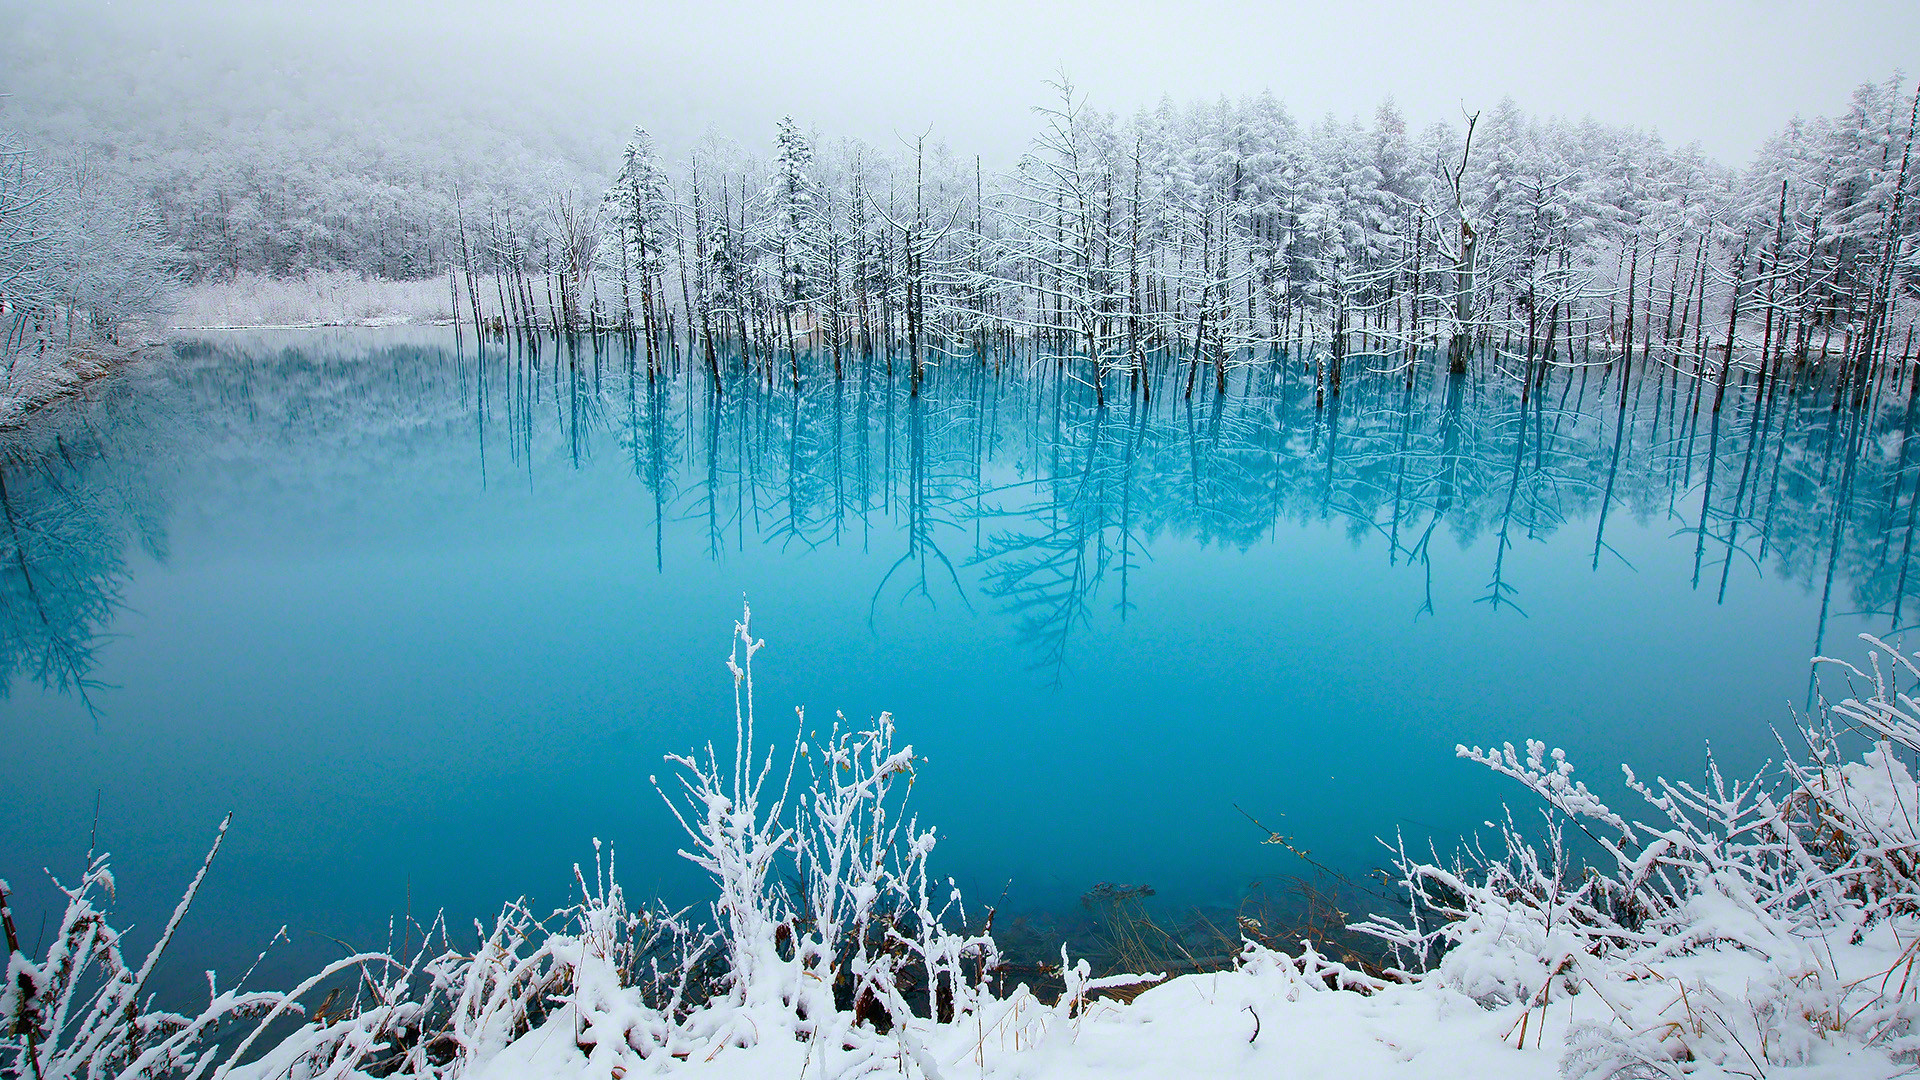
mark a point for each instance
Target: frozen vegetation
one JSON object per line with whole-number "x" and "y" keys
{"x": 85, "y": 271}
{"x": 1723, "y": 927}
{"x": 316, "y": 298}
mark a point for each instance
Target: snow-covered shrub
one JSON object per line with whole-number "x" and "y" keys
{"x": 1751, "y": 921}
{"x": 1308, "y": 971}
{"x": 862, "y": 955}
{"x": 616, "y": 977}
{"x": 1861, "y": 813}
{"x": 82, "y": 1011}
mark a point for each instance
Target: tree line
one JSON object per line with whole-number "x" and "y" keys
{"x": 1167, "y": 248}
{"x": 1146, "y": 253}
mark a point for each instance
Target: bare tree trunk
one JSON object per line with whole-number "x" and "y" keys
{"x": 1733, "y": 319}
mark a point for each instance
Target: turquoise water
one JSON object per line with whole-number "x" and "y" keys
{"x": 426, "y": 623}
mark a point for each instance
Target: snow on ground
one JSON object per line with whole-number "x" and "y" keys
{"x": 34, "y": 379}
{"x": 320, "y": 298}
{"x": 1197, "y": 1025}
{"x": 1263, "y": 1020}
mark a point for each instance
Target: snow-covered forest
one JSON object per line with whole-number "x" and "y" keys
{"x": 81, "y": 259}
{"x": 1183, "y": 240}
{"x": 129, "y": 172}
{"x": 1201, "y": 237}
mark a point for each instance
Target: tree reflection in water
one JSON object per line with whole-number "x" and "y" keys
{"x": 1004, "y": 485}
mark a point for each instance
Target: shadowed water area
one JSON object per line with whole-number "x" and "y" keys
{"x": 426, "y": 622}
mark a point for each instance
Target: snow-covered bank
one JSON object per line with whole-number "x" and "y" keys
{"x": 1748, "y": 928}
{"x": 319, "y": 298}
{"x": 82, "y": 275}
{"x": 1273, "y": 1018}
{"x": 35, "y": 380}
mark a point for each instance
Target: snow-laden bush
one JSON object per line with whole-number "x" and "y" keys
{"x": 1736, "y": 921}
{"x": 79, "y": 1013}
{"x": 866, "y": 954}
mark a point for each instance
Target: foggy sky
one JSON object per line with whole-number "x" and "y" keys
{"x": 1727, "y": 73}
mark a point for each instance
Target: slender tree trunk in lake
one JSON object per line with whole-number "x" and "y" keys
{"x": 1768, "y": 272}
{"x": 1462, "y": 343}
{"x": 453, "y": 291}
{"x": 1733, "y": 319}
{"x": 1626, "y": 354}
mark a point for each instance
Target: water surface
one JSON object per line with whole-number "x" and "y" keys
{"x": 426, "y": 622}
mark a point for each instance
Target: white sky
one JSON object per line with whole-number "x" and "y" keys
{"x": 1727, "y": 73}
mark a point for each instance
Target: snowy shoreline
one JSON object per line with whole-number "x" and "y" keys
{"x": 315, "y": 300}
{"x": 62, "y": 374}
{"x": 333, "y": 325}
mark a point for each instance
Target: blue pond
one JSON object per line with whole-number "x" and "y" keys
{"x": 426, "y": 622}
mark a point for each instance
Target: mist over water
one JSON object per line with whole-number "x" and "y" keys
{"x": 426, "y": 621}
